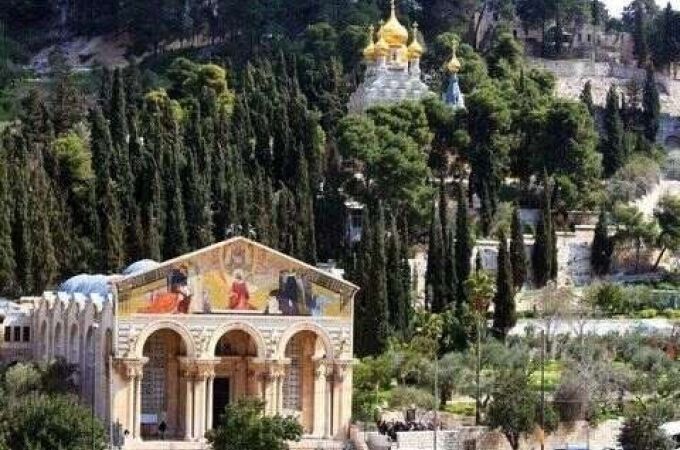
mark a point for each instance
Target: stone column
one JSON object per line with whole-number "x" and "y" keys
{"x": 328, "y": 412}
{"x": 205, "y": 374}
{"x": 320, "y": 418}
{"x": 188, "y": 407}
{"x": 137, "y": 433}
{"x": 199, "y": 404}
{"x": 277, "y": 372}
{"x": 209, "y": 403}
{"x": 132, "y": 370}
{"x": 341, "y": 414}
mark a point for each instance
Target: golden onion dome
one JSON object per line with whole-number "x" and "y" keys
{"x": 453, "y": 66}
{"x": 369, "y": 51}
{"x": 395, "y": 33}
{"x": 415, "y": 50}
{"x": 381, "y": 47}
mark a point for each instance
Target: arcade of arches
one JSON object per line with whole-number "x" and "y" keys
{"x": 169, "y": 384}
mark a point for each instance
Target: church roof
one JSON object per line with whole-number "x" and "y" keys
{"x": 142, "y": 275}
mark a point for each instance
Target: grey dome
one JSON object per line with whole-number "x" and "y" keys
{"x": 140, "y": 266}
{"x": 87, "y": 284}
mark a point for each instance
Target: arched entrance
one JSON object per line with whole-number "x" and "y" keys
{"x": 235, "y": 351}
{"x": 303, "y": 391}
{"x": 163, "y": 395}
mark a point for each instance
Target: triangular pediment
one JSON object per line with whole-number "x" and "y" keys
{"x": 236, "y": 276}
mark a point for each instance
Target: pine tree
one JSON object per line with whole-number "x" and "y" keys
{"x": 651, "y": 107}
{"x": 464, "y": 244}
{"x": 587, "y": 96}
{"x": 443, "y": 210}
{"x": 541, "y": 256}
{"x": 435, "y": 278}
{"x": 602, "y": 247}
{"x": 22, "y": 241}
{"x": 613, "y": 150}
{"x": 518, "y": 256}
{"x": 504, "y": 314}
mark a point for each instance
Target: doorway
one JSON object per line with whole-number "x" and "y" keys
{"x": 220, "y": 398}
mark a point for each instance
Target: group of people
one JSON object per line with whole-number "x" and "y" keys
{"x": 392, "y": 427}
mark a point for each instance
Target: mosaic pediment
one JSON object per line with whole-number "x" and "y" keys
{"x": 237, "y": 276}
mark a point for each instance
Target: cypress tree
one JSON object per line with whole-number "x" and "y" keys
{"x": 364, "y": 333}
{"x": 21, "y": 227}
{"x": 504, "y": 314}
{"x": 518, "y": 256}
{"x": 651, "y": 107}
{"x": 435, "y": 278}
{"x": 378, "y": 308}
{"x": 541, "y": 256}
{"x": 8, "y": 282}
{"x": 443, "y": 210}
{"x": 554, "y": 266}
{"x": 464, "y": 244}
{"x": 405, "y": 269}
{"x": 613, "y": 151}
{"x": 395, "y": 286}
{"x": 305, "y": 209}
{"x": 450, "y": 275}
{"x": 118, "y": 112}
{"x": 640, "y": 49}
{"x": 196, "y": 185}
{"x": 175, "y": 240}
{"x": 602, "y": 247}
{"x": 587, "y": 97}
{"x": 44, "y": 260}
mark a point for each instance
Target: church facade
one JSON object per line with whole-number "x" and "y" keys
{"x": 173, "y": 343}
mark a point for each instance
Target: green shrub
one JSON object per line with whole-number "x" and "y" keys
{"x": 670, "y": 313}
{"x": 647, "y": 313}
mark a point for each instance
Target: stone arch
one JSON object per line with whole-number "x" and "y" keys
{"x": 44, "y": 343}
{"x": 177, "y": 327}
{"x": 73, "y": 344}
{"x": 59, "y": 338}
{"x": 89, "y": 366}
{"x": 238, "y": 326}
{"x": 305, "y": 326}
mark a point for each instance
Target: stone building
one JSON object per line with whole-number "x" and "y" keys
{"x": 177, "y": 341}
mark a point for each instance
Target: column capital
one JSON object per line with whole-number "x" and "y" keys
{"x": 340, "y": 368}
{"x": 277, "y": 368}
{"x": 205, "y": 368}
{"x": 130, "y": 367}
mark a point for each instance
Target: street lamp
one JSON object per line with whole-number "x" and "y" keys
{"x": 93, "y": 361}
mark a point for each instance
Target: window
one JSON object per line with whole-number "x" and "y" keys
{"x": 8, "y": 334}
{"x": 514, "y": 34}
{"x": 27, "y": 334}
{"x": 17, "y": 334}
{"x": 589, "y": 37}
{"x": 470, "y": 444}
